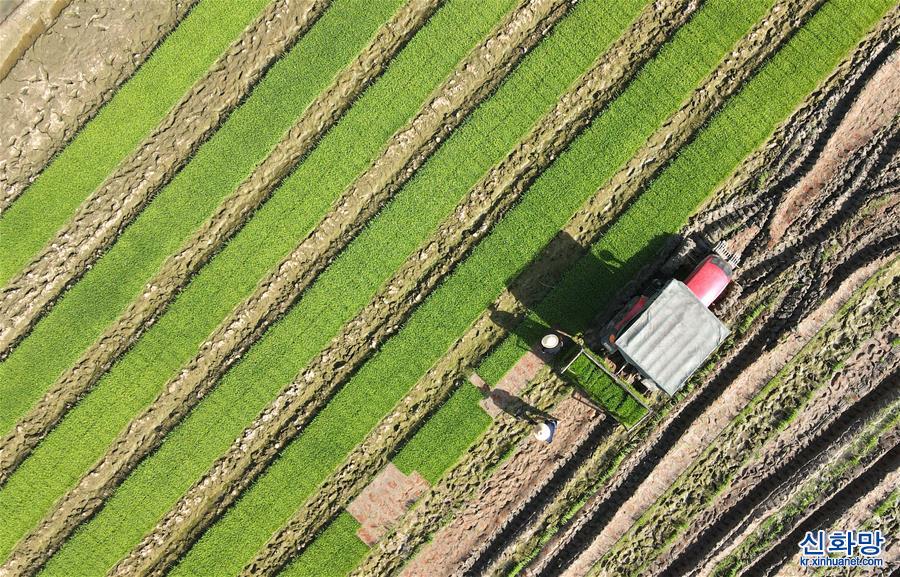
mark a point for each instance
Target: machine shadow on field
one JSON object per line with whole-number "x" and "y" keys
{"x": 586, "y": 293}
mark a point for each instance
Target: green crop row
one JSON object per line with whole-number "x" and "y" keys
{"x": 137, "y": 107}
{"x": 554, "y": 197}
{"x": 618, "y": 401}
{"x": 280, "y": 224}
{"x": 388, "y": 240}
{"x": 742, "y": 126}
{"x": 219, "y": 166}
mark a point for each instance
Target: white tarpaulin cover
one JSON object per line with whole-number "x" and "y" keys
{"x": 674, "y": 335}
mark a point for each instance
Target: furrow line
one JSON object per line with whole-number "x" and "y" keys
{"x": 584, "y": 482}
{"x": 103, "y": 216}
{"x": 785, "y": 464}
{"x": 474, "y": 79}
{"x": 58, "y": 102}
{"x": 424, "y": 398}
{"x": 868, "y": 368}
{"x": 228, "y": 218}
{"x": 830, "y": 510}
{"x": 864, "y": 314}
{"x": 485, "y": 204}
{"x": 751, "y": 200}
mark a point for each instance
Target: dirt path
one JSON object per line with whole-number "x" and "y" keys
{"x": 226, "y": 221}
{"x": 877, "y": 104}
{"x": 59, "y": 79}
{"x": 508, "y": 490}
{"x": 123, "y": 195}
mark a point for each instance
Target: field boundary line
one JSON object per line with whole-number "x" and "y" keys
{"x": 301, "y": 400}
{"x": 102, "y": 217}
{"x": 474, "y": 78}
{"x": 15, "y": 179}
{"x": 228, "y": 218}
{"x": 31, "y": 23}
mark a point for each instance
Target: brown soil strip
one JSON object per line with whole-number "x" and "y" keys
{"x": 428, "y": 394}
{"x": 877, "y": 105}
{"x": 862, "y": 515}
{"x": 69, "y": 72}
{"x": 384, "y": 500}
{"x": 484, "y": 205}
{"x": 20, "y": 27}
{"x": 864, "y": 371}
{"x": 227, "y": 220}
{"x": 870, "y": 307}
{"x": 108, "y": 210}
{"x": 812, "y": 439}
{"x": 509, "y": 489}
{"x": 475, "y": 78}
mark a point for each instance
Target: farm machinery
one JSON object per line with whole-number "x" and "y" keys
{"x": 664, "y": 335}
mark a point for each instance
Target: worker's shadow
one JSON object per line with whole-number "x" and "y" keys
{"x": 569, "y": 288}
{"x": 513, "y": 405}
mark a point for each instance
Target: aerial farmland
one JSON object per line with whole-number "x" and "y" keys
{"x": 433, "y": 288}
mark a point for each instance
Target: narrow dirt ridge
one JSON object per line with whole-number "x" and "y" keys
{"x": 474, "y": 79}
{"x": 232, "y": 213}
{"x": 786, "y": 462}
{"x": 512, "y": 486}
{"x": 69, "y": 72}
{"x": 119, "y": 200}
{"x": 765, "y": 333}
{"x": 484, "y": 205}
{"x": 393, "y": 430}
{"x": 868, "y": 368}
{"x": 864, "y": 314}
{"x": 789, "y": 307}
{"x": 828, "y": 512}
